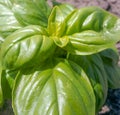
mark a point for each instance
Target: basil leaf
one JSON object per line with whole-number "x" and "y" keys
{"x": 33, "y": 12}
{"x": 63, "y": 89}
{"x": 94, "y": 68}
{"x": 8, "y": 22}
{"x": 15, "y": 14}
{"x": 85, "y": 31}
{"x": 28, "y": 46}
{"x": 110, "y": 59}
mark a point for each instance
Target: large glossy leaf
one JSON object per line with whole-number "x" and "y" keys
{"x": 15, "y": 14}
{"x": 86, "y": 30}
{"x": 62, "y": 89}
{"x": 8, "y": 22}
{"x": 110, "y": 59}
{"x": 32, "y": 12}
{"x": 94, "y": 68}
{"x": 26, "y": 47}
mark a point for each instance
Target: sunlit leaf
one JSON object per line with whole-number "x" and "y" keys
{"x": 63, "y": 89}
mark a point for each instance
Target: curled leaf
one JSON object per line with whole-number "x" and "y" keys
{"x": 26, "y": 47}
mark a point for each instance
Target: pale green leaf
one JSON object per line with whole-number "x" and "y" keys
{"x": 8, "y": 22}
{"x": 32, "y": 12}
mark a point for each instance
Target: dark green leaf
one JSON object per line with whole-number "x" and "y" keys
{"x": 56, "y": 23}
{"x": 94, "y": 68}
{"x": 63, "y": 89}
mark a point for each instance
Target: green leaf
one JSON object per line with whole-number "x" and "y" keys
{"x": 28, "y": 46}
{"x": 62, "y": 89}
{"x": 110, "y": 59}
{"x": 56, "y": 23}
{"x": 8, "y": 22}
{"x": 15, "y": 14}
{"x": 32, "y": 12}
{"x": 94, "y": 68}
{"x": 85, "y": 31}
{"x": 6, "y": 84}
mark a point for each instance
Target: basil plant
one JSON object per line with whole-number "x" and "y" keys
{"x": 57, "y": 60}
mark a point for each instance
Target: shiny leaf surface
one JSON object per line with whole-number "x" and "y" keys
{"x": 32, "y": 12}
{"x": 94, "y": 68}
{"x": 26, "y": 47}
{"x": 85, "y": 31}
{"x": 56, "y": 23}
{"x": 63, "y": 89}
{"x": 15, "y": 14}
{"x": 110, "y": 59}
{"x": 8, "y": 22}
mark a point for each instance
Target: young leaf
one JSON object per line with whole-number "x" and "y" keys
{"x": 26, "y": 47}
{"x": 56, "y": 21}
{"x": 63, "y": 89}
